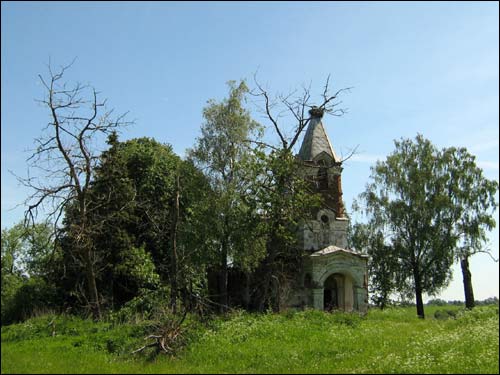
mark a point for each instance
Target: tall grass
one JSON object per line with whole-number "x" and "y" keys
{"x": 389, "y": 341}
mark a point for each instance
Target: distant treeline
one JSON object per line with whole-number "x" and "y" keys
{"x": 441, "y": 302}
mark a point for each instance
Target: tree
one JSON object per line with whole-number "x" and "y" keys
{"x": 12, "y": 244}
{"x": 27, "y": 264}
{"x": 407, "y": 202}
{"x": 430, "y": 205}
{"x": 223, "y": 153}
{"x": 129, "y": 205}
{"x": 65, "y": 159}
{"x": 147, "y": 209}
{"x": 473, "y": 200}
{"x": 27, "y": 250}
{"x": 12, "y": 280}
{"x": 382, "y": 263}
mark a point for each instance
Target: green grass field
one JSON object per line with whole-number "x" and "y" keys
{"x": 390, "y": 341}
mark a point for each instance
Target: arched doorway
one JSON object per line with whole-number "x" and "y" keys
{"x": 333, "y": 297}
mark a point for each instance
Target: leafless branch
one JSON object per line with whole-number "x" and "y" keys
{"x": 268, "y": 106}
{"x": 488, "y": 252}
{"x": 297, "y": 106}
{"x": 259, "y": 143}
{"x": 349, "y": 155}
{"x": 64, "y": 161}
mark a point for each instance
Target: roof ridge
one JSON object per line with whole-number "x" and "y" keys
{"x": 330, "y": 249}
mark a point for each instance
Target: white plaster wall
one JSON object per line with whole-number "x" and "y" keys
{"x": 312, "y": 234}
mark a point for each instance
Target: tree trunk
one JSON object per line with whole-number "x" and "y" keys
{"x": 246, "y": 291}
{"x": 173, "y": 262}
{"x": 223, "y": 301}
{"x": 469, "y": 293}
{"x": 264, "y": 287}
{"x": 420, "y": 303}
{"x": 268, "y": 270}
{"x": 85, "y": 246}
{"x": 92, "y": 287}
{"x": 418, "y": 294}
{"x": 268, "y": 295}
{"x": 383, "y": 301}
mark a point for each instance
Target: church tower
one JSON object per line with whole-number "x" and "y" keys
{"x": 323, "y": 169}
{"x": 332, "y": 277}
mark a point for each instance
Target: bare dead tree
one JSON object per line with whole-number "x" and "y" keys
{"x": 61, "y": 167}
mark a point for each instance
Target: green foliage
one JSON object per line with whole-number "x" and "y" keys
{"x": 28, "y": 259}
{"x": 284, "y": 198}
{"x": 12, "y": 246}
{"x": 445, "y": 314}
{"x": 27, "y": 249}
{"x": 145, "y": 306}
{"x": 223, "y": 153}
{"x": 11, "y": 284}
{"x": 425, "y": 207}
{"x": 473, "y": 200}
{"x": 410, "y": 221}
{"x": 473, "y": 203}
{"x": 137, "y": 266}
{"x": 223, "y": 145}
{"x": 436, "y": 302}
{"x": 137, "y": 180}
{"x": 33, "y": 297}
{"x": 382, "y": 263}
{"x": 488, "y": 301}
{"x": 130, "y": 215}
{"x": 485, "y": 313}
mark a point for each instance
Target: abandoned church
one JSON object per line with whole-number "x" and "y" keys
{"x": 333, "y": 277}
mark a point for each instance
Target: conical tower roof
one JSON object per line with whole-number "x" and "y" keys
{"x": 316, "y": 140}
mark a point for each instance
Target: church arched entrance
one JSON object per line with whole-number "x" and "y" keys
{"x": 333, "y": 296}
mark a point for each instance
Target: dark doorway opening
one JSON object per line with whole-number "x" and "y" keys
{"x": 330, "y": 294}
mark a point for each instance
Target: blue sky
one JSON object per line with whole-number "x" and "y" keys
{"x": 429, "y": 68}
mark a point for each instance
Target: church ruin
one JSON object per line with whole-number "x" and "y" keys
{"x": 332, "y": 277}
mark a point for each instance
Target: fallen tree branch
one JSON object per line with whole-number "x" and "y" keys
{"x": 167, "y": 338}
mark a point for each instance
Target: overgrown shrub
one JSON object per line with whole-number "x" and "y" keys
{"x": 481, "y": 313}
{"x": 143, "y": 307}
{"x": 445, "y": 314}
{"x": 34, "y": 297}
{"x": 11, "y": 284}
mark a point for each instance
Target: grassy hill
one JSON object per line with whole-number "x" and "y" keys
{"x": 390, "y": 341}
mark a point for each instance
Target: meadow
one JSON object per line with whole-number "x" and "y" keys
{"x": 452, "y": 340}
